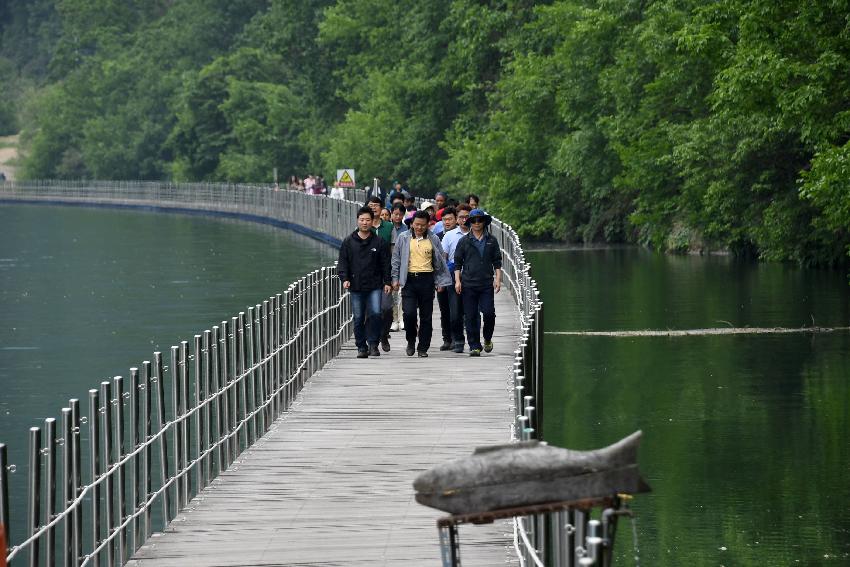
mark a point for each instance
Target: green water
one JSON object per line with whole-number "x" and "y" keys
{"x": 746, "y": 437}
{"x": 85, "y": 294}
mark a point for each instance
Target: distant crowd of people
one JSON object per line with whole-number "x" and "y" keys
{"x": 312, "y": 184}
{"x": 401, "y": 256}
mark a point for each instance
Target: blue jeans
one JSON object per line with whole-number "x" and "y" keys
{"x": 478, "y": 302}
{"x": 366, "y": 309}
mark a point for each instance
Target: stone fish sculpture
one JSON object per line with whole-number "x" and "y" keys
{"x": 531, "y": 472}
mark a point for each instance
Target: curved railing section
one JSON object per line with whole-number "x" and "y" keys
{"x": 100, "y": 481}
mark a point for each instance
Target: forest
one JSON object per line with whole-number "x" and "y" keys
{"x": 682, "y": 125}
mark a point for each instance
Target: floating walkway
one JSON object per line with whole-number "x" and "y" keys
{"x": 331, "y": 482}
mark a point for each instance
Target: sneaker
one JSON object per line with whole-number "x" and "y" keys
{"x": 362, "y": 353}
{"x": 475, "y": 352}
{"x": 410, "y": 350}
{"x": 423, "y": 354}
{"x": 446, "y": 345}
{"x": 394, "y": 326}
{"x": 488, "y": 346}
{"x": 385, "y": 344}
{"x": 458, "y": 348}
{"x": 373, "y": 351}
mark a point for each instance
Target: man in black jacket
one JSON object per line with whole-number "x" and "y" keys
{"x": 478, "y": 277}
{"x": 364, "y": 269}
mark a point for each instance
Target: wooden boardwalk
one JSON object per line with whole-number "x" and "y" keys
{"x": 331, "y": 483}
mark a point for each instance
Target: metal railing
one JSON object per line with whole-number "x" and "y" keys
{"x": 158, "y": 439}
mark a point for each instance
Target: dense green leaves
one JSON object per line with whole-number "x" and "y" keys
{"x": 680, "y": 124}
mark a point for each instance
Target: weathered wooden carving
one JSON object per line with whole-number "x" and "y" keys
{"x": 532, "y": 472}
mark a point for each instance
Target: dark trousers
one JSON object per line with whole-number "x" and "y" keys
{"x": 386, "y": 315}
{"x": 418, "y": 294}
{"x": 456, "y": 316}
{"x": 479, "y": 299}
{"x": 366, "y": 309}
{"x": 445, "y": 314}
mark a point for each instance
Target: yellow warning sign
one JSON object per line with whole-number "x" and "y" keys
{"x": 345, "y": 178}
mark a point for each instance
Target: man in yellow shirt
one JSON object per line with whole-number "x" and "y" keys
{"x": 418, "y": 267}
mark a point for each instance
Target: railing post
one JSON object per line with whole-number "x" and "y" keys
{"x": 243, "y": 378}
{"x": 147, "y": 464}
{"x": 570, "y": 544}
{"x": 184, "y": 423}
{"x": 579, "y": 522}
{"x": 538, "y": 353}
{"x": 68, "y": 495}
{"x": 94, "y": 469}
{"x": 199, "y": 414}
{"x": 236, "y": 383}
{"x": 207, "y": 412}
{"x": 224, "y": 347}
{"x": 50, "y": 487}
{"x": 135, "y": 501}
{"x": 108, "y": 450}
{"x": 120, "y": 450}
{"x": 177, "y": 448}
{"x": 4, "y": 500}
{"x": 274, "y": 320}
{"x": 259, "y": 378}
{"x": 215, "y": 391}
{"x": 232, "y": 388}
{"x": 267, "y": 378}
{"x": 287, "y": 348}
{"x": 247, "y": 324}
{"x": 76, "y": 478}
{"x": 34, "y": 501}
{"x": 163, "y": 437}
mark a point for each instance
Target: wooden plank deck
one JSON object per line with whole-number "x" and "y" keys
{"x": 331, "y": 483}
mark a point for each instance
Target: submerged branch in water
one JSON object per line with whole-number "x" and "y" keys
{"x": 701, "y": 332}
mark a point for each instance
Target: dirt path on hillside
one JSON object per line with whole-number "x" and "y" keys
{"x": 8, "y": 155}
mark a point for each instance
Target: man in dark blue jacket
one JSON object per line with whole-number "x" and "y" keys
{"x": 364, "y": 270}
{"x": 478, "y": 277}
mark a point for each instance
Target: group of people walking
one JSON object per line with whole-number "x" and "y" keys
{"x": 404, "y": 256}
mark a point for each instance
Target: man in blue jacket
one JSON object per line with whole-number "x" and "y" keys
{"x": 364, "y": 270}
{"x": 478, "y": 277}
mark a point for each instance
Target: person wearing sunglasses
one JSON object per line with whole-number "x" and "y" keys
{"x": 478, "y": 277}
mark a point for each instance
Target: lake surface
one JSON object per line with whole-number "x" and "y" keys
{"x": 85, "y": 294}
{"x": 746, "y": 437}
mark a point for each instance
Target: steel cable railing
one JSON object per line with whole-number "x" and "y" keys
{"x": 142, "y": 467}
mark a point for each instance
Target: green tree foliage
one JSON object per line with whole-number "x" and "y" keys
{"x": 122, "y": 66}
{"x": 8, "y": 113}
{"x": 398, "y": 106}
{"x": 258, "y": 107}
{"x": 679, "y": 124}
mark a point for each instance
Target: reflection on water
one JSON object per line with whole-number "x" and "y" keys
{"x": 746, "y": 437}
{"x": 87, "y": 293}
